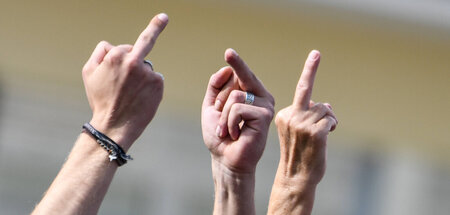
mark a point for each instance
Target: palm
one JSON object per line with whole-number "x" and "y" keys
{"x": 241, "y": 154}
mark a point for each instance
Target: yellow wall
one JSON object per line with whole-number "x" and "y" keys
{"x": 387, "y": 81}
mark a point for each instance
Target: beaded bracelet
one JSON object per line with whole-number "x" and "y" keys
{"x": 115, "y": 151}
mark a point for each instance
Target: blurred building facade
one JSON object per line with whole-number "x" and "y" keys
{"x": 385, "y": 70}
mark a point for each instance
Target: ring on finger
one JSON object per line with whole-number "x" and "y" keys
{"x": 249, "y": 98}
{"x": 149, "y": 63}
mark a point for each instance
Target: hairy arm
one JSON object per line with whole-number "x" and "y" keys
{"x": 124, "y": 94}
{"x": 82, "y": 183}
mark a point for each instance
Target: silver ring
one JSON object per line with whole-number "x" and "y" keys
{"x": 249, "y": 98}
{"x": 149, "y": 63}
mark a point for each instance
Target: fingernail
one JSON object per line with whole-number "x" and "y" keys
{"x": 162, "y": 76}
{"x": 234, "y": 52}
{"x": 163, "y": 17}
{"x": 218, "y": 129}
{"x": 217, "y": 104}
{"x": 314, "y": 55}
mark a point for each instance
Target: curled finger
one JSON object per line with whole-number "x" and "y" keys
{"x": 256, "y": 118}
{"x": 116, "y": 55}
{"x": 215, "y": 84}
{"x": 97, "y": 56}
{"x": 232, "y": 84}
{"x": 236, "y": 96}
{"x": 327, "y": 124}
{"x": 331, "y": 112}
{"x": 317, "y": 112}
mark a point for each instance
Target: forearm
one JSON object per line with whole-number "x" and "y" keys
{"x": 234, "y": 192}
{"x": 292, "y": 191}
{"x": 291, "y": 196}
{"x": 82, "y": 183}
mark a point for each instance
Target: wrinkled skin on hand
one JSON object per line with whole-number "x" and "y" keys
{"x": 303, "y": 128}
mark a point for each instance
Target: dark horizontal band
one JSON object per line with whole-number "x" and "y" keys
{"x": 115, "y": 151}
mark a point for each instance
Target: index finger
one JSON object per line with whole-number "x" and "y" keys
{"x": 305, "y": 84}
{"x": 216, "y": 83}
{"x": 247, "y": 80}
{"x": 147, "y": 39}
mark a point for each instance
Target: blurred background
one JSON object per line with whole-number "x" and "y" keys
{"x": 385, "y": 69}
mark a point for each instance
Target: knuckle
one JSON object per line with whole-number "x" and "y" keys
{"x": 267, "y": 114}
{"x": 146, "y": 37}
{"x": 132, "y": 63}
{"x": 281, "y": 119}
{"x": 271, "y": 99}
{"x": 102, "y": 43}
{"x": 235, "y": 95}
{"x": 85, "y": 70}
{"x": 271, "y": 104}
{"x": 271, "y": 111}
{"x": 156, "y": 81}
{"x": 235, "y": 108}
{"x": 302, "y": 86}
{"x": 303, "y": 130}
{"x": 114, "y": 56}
{"x": 212, "y": 79}
{"x": 318, "y": 133}
{"x": 149, "y": 38}
{"x": 320, "y": 106}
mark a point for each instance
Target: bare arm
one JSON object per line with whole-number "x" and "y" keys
{"x": 235, "y": 133}
{"x": 124, "y": 94}
{"x": 303, "y": 128}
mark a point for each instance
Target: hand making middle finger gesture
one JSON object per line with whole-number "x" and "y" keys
{"x": 236, "y": 114}
{"x": 303, "y": 128}
{"x": 123, "y": 90}
{"x": 236, "y": 136}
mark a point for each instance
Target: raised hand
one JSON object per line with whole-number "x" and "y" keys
{"x": 123, "y": 91}
{"x": 236, "y": 145}
{"x": 235, "y": 133}
{"x": 303, "y": 128}
{"x": 124, "y": 94}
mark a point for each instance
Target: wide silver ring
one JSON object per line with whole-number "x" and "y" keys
{"x": 249, "y": 98}
{"x": 149, "y": 63}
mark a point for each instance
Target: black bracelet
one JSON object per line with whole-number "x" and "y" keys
{"x": 115, "y": 151}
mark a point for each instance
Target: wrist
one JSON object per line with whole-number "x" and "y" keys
{"x": 287, "y": 197}
{"x": 301, "y": 164}
{"x": 291, "y": 194}
{"x": 224, "y": 175}
{"x": 294, "y": 184}
{"x": 295, "y": 177}
{"x": 117, "y": 134}
{"x": 234, "y": 191}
